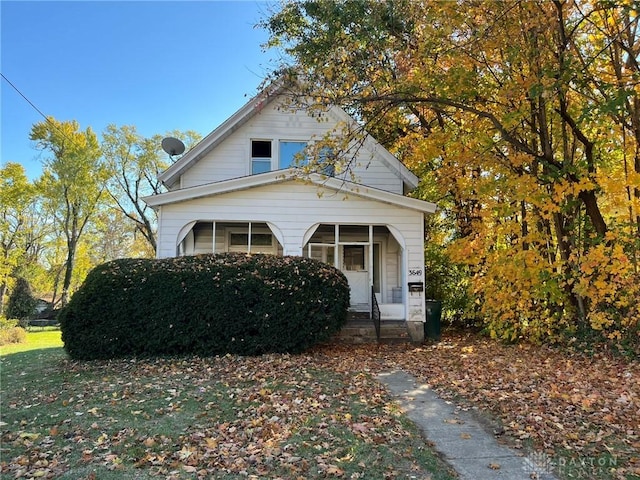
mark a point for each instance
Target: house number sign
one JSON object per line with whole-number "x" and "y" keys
{"x": 415, "y": 273}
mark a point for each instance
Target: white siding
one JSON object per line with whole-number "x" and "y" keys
{"x": 204, "y": 240}
{"x": 231, "y": 158}
{"x": 392, "y": 271}
{"x": 294, "y": 207}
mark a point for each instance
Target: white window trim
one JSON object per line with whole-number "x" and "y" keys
{"x": 275, "y": 151}
{"x": 263, "y": 159}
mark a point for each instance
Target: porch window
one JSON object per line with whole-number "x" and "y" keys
{"x": 260, "y": 156}
{"x": 260, "y": 242}
{"x": 362, "y": 252}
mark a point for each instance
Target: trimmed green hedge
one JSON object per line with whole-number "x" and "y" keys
{"x": 205, "y": 304}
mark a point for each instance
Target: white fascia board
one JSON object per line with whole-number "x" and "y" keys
{"x": 374, "y": 193}
{"x": 210, "y": 189}
{"x": 279, "y": 176}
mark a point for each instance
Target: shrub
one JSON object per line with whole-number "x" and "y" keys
{"x": 449, "y": 282}
{"x": 206, "y": 304}
{"x": 21, "y": 304}
{"x": 11, "y": 332}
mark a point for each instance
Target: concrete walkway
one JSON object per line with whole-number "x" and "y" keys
{"x": 462, "y": 441}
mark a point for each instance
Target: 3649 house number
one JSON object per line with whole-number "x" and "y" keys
{"x": 415, "y": 272}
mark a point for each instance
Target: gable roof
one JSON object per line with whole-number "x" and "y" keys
{"x": 246, "y": 113}
{"x": 280, "y": 176}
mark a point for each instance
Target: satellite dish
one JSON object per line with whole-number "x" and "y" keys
{"x": 172, "y": 146}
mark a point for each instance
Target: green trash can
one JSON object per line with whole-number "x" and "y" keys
{"x": 434, "y": 315}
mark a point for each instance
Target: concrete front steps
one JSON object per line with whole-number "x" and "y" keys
{"x": 361, "y": 330}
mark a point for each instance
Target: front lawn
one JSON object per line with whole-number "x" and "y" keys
{"x": 316, "y": 415}
{"x": 37, "y": 338}
{"x": 274, "y": 416}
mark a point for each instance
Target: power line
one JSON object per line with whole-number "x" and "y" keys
{"x": 25, "y": 97}
{"x": 47, "y": 119}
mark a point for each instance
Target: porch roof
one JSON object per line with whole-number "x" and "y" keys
{"x": 282, "y": 176}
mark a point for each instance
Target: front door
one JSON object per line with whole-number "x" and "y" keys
{"x": 355, "y": 259}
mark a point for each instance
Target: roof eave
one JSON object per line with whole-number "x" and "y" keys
{"x": 172, "y": 174}
{"x": 252, "y": 181}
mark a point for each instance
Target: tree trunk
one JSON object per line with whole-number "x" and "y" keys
{"x": 68, "y": 272}
{"x": 590, "y": 202}
{"x": 565, "y": 254}
{"x": 3, "y": 291}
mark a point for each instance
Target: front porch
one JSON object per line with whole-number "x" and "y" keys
{"x": 372, "y": 257}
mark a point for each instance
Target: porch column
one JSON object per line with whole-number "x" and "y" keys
{"x": 336, "y": 241}
{"x": 370, "y": 257}
{"x": 213, "y": 241}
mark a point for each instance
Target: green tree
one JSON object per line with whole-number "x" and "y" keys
{"x": 72, "y": 183}
{"x": 135, "y": 163}
{"x": 21, "y": 303}
{"x": 16, "y": 196}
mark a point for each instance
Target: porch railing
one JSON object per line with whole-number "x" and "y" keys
{"x": 375, "y": 313}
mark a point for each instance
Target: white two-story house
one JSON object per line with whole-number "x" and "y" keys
{"x": 239, "y": 190}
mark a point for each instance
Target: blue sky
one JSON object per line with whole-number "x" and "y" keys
{"x": 158, "y": 65}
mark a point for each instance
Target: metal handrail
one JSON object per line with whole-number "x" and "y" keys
{"x": 375, "y": 313}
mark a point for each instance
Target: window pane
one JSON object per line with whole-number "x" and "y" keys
{"x": 330, "y": 255}
{"x": 257, "y": 239}
{"x": 260, "y": 166}
{"x": 288, "y": 150}
{"x": 239, "y": 239}
{"x": 354, "y": 257}
{"x": 261, "y": 239}
{"x": 354, "y": 233}
{"x": 327, "y": 162}
{"x": 261, "y": 149}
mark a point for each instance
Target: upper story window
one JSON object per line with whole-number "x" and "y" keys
{"x": 327, "y": 162}
{"x": 290, "y": 153}
{"x": 260, "y": 156}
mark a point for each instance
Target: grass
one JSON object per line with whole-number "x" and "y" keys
{"x": 47, "y": 337}
{"x": 275, "y": 416}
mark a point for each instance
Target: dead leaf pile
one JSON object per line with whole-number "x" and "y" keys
{"x": 315, "y": 415}
{"x": 274, "y": 416}
{"x": 548, "y": 400}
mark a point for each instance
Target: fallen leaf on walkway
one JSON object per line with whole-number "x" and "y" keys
{"x": 465, "y": 436}
{"x": 453, "y": 421}
{"x": 494, "y": 466}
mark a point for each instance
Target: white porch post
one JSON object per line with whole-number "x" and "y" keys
{"x": 370, "y": 257}
{"x": 213, "y": 241}
{"x": 336, "y": 241}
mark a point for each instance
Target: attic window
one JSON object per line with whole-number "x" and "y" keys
{"x": 260, "y": 156}
{"x": 292, "y": 153}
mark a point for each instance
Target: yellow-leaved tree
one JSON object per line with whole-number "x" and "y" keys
{"x": 522, "y": 120}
